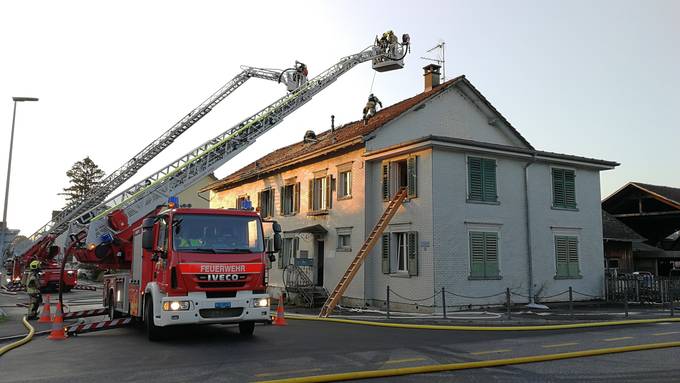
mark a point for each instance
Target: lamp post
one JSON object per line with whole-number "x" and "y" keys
{"x": 9, "y": 169}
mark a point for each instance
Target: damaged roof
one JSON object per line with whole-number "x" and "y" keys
{"x": 345, "y": 134}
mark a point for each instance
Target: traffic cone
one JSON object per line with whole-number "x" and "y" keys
{"x": 280, "y": 320}
{"x": 45, "y": 315}
{"x": 58, "y": 332}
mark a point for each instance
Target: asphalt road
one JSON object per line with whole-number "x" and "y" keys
{"x": 218, "y": 353}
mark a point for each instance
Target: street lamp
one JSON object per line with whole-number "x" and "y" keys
{"x": 9, "y": 169}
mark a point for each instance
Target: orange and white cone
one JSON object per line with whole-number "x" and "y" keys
{"x": 58, "y": 332}
{"x": 45, "y": 315}
{"x": 280, "y": 320}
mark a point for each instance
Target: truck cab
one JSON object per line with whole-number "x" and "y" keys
{"x": 195, "y": 266}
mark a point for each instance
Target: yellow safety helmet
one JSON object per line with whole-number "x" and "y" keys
{"x": 35, "y": 265}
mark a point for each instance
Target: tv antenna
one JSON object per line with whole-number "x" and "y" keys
{"x": 441, "y": 58}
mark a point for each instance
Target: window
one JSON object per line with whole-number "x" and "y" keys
{"x": 344, "y": 239}
{"x": 290, "y": 249}
{"x": 320, "y": 194}
{"x": 400, "y": 174}
{"x": 197, "y": 233}
{"x": 564, "y": 188}
{"x": 482, "y": 180}
{"x": 566, "y": 256}
{"x": 290, "y": 199}
{"x": 400, "y": 253}
{"x": 265, "y": 203}
{"x": 243, "y": 202}
{"x": 484, "y": 255}
{"x": 163, "y": 234}
{"x": 345, "y": 184}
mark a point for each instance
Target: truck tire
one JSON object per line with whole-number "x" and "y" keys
{"x": 154, "y": 333}
{"x": 246, "y": 329}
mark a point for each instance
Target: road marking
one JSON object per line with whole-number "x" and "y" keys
{"x": 265, "y": 374}
{"x": 489, "y": 352}
{"x": 559, "y": 345}
{"x": 619, "y": 338}
{"x": 404, "y": 360}
{"x": 663, "y": 323}
{"x": 666, "y": 333}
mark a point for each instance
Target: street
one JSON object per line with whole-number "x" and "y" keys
{"x": 306, "y": 348}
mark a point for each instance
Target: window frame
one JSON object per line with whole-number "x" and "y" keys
{"x": 577, "y": 237}
{"x": 294, "y": 198}
{"x": 554, "y": 204}
{"x": 271, "y": 201}
{"x": 344, "y": 231}
{"x": 468, "y": 184}
{"x": 485, "y": 230}
{"x": 343, "y": 185}
{"x": 325, "y": 201}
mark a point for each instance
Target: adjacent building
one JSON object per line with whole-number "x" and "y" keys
{"x": 485, "y": 210}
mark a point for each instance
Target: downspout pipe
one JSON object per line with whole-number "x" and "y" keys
{"x": 527, "y": 212}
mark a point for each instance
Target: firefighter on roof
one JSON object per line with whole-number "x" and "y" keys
{"x": 33, "y": 289}
{"x": 369, "y": 109}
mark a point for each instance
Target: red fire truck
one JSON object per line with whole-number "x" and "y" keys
{"x": 181, "y": 266}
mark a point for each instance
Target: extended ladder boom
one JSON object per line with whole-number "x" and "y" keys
{"x": 59, "y": 223}
{"x": 144, "y": 196}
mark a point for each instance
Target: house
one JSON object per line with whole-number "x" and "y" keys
{"x": 618, "y": 244}
{"x": 485, "y": 210}
{"x": 653, "y": 212}
{"x": 194, "y": 196}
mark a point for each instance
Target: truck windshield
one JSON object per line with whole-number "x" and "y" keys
{"x": 216, "y": 234}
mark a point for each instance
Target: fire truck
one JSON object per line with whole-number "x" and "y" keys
{"x": 192, "y": 266}
{"x": 50, "y": 270}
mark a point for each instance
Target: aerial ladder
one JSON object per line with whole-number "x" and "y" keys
{"x": 102, "y": 235}
{"x": 41, "y": 242}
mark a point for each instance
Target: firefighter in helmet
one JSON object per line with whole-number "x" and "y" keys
{"x": 33, "y": 289}
{"x": 369, "y": 109}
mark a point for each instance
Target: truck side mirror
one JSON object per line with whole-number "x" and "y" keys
{"x": 276, "y": 227}
{"x": 277, "y": 242}
{"x": 147, "y": 234}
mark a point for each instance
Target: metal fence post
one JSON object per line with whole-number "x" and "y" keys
{"x": 507, "y": 301}
{"x": 444, "y": 301}
{"x": 670, "y": 298}
{"x": 571, "y": 302}
{"x": 625, "y": 300}
{"x": 388, "y": 301}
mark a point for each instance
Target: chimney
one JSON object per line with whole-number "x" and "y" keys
{"x": 431, "y": 74}
{"x": 332, "y": 123}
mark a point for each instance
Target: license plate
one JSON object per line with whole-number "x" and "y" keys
{"x": 222, "y": 305}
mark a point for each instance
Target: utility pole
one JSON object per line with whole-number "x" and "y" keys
{"x": 9, "y": 170}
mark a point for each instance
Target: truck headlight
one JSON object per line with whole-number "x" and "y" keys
{"x": 176, "y": 305}
{"x": 261, "y": 302}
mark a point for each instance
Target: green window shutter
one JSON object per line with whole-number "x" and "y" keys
{"x": 558, "y": 188}
{"x": 572, "y": 257}
{"x": 281, "y": 202}
{"x": 569, "y": 189}
{"x": 412, "y": 172}
{"x": 259, "y": 202}
{"x": 386, "y": 253}
{"x": 272, "y": 199}
{"x": 562, "y": 256}
{"x": 412, "y": 253}
{"x": 475, "y": 188}
{"x": 476, "y": 254}
{"x": 296, "y": 198}
{"x": 489, "y": 180}
{"x": 386, "y": 181}
{"x": 491, "y": 254}
{"x": 310, "y": 193}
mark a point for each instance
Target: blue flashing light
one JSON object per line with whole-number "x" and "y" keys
{"x": 174, "y": 200}
{"x": 106, "y": 238}
{"x": 246, "y": 204}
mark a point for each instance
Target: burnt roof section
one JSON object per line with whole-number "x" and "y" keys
{"x": 342, "y": 134}
{"x": 614, "y": 229}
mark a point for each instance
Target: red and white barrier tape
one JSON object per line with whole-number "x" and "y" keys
{"x": 84, "y": 287}
{"x": 85, "y": 313}
{"x": 98, "y": 326}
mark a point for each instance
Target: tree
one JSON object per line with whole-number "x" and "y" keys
{"x": 83, "y": 176}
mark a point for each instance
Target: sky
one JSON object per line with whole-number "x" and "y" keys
{"x": 592, "y": 78}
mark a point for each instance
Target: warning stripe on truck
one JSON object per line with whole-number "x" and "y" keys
{"x": 98, "y": 326}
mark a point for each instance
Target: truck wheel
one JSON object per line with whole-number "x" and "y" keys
{"x": 155, "y": 333}
{"x": 246, "y": 328}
